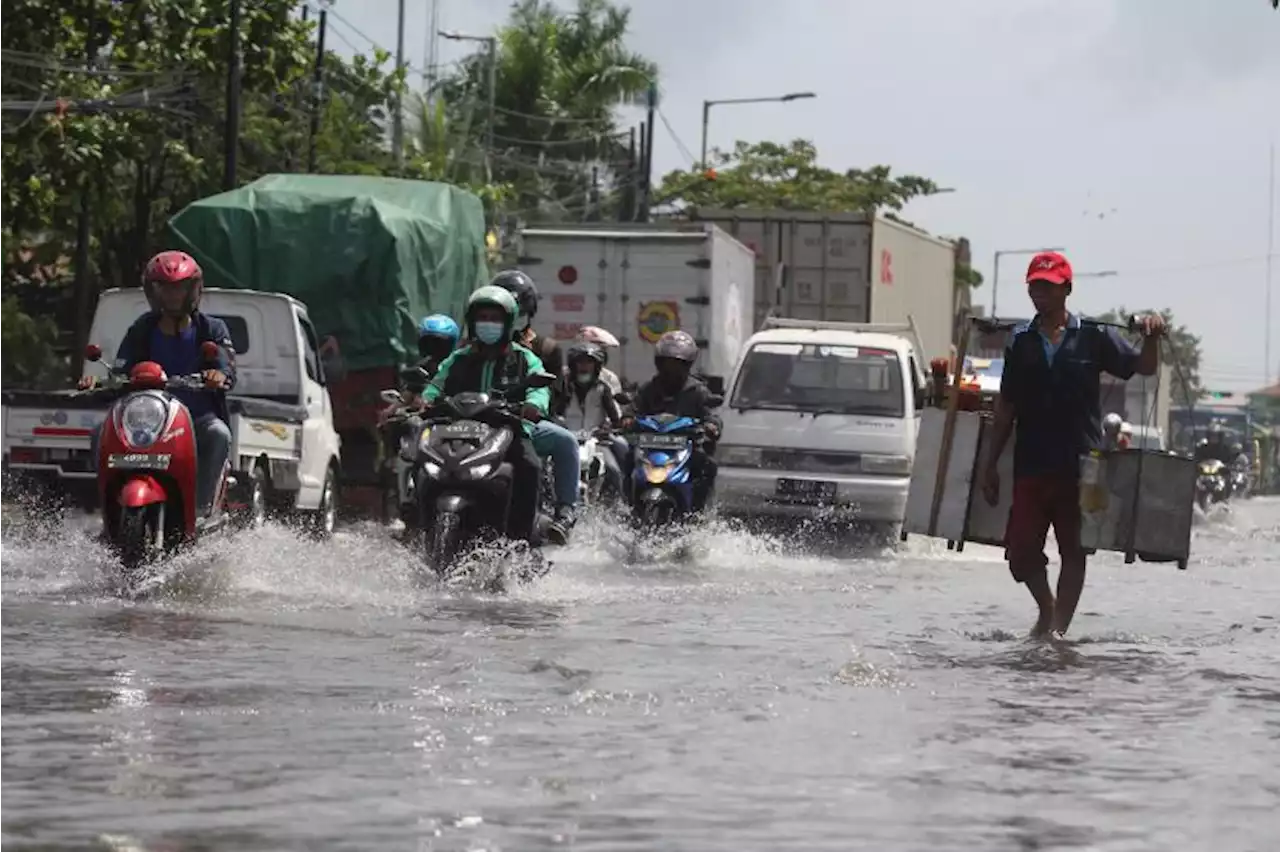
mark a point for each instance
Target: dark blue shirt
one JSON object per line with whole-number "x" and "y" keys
{"x": 1054, "y": 391}
{"x": 180, "y": 355}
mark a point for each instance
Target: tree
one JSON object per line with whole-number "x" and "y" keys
{"x": 559, "y": 77}
{"x": 114, "y": 121}
{"x": 767, "y": 175}
{"x": 1181, "y": 350}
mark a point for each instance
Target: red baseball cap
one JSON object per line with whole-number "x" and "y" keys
{"x": 1049, "y": 266}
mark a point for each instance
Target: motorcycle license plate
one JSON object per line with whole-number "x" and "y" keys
{"x": 661, "y": 442}
{"x": 138, "y": 461}
{"x": 806, "y": 490}
{"x": 463, "y": 429}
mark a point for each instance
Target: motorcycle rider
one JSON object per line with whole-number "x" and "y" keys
{"x": 171, "y": 334}
{"x": 675, "y": 391}
{"x": 438, "y": 336}
{"x": 602, "y": 338}
{"x": 586, "y": 403}
{"x": 492, "y": 360}
{"x": 549, "y": 439}
{"x": 1214, "y": 445}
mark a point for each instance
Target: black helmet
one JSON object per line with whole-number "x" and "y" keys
{"x": 583, "y": 349}
{"x": 521, "y": 286}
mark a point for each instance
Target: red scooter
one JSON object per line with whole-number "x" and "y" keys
{"x": 147, "y": 464}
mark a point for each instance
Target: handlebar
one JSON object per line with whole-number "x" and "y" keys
{"x": 120, "y": 383}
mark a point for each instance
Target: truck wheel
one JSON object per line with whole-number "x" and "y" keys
{"x": 325, "y": 518}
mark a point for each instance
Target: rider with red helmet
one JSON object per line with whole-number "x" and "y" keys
{"x": 172, "y": 335}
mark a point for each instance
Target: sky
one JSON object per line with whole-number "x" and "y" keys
{"x": 1133, "y": 133}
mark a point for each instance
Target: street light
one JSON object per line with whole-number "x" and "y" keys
{"x": 706, "y": 111}
{"x": 492, "y": 43}
{"x": 995, "y": 271}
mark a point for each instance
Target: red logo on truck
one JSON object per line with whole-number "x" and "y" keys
{"x": 569, "y": 303}
{"x": 886, "y": 267}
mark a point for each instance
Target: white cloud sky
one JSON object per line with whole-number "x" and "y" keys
{"x": 1133, "y": 132}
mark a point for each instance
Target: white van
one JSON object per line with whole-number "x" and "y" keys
{"x": 821, "y": 421}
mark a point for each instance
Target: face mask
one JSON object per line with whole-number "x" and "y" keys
{"x": 585, "y": 378}
{"x": 489, "y": 333}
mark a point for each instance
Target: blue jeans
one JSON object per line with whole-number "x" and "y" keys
{"x": 559, "y": 443}
{"x": 213, "y": 446}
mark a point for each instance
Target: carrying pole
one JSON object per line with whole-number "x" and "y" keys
{"x": 948, "y": 430}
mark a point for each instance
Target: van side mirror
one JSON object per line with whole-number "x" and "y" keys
{"x": 415, "y": 379}
{"x": 922, "y": 399}
{"x": 93, "y": 352}
{"x": 715, "y": 400}
{"x": 715, "y": 384}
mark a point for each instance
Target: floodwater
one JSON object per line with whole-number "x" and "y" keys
{"x": 742, "y": 697}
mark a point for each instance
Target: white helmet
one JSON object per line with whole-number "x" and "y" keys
{"x": 1111, "y": 424}
{"x": 597, "y": 335}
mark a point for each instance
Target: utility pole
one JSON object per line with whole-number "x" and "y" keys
{"x": 397, "y": 130}
{"x": 317, "y": 91}
{"x": 646, "y": 184}
{"x": 231, "y": 143}
{"x": 493, "y": 106}
{"x": 1271, "y": 250}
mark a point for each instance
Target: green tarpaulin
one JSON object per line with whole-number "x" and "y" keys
{"x": 369, "y": 256}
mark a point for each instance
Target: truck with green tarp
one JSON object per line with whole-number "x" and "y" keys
{"x": 369, "y": 256}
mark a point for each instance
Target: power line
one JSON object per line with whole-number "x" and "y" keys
{"x": 684, "y": 149}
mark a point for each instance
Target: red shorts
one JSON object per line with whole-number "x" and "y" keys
{"x": 1038, "y": 502}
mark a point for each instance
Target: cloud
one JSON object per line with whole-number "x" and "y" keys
{"x": 1155, "y": 48}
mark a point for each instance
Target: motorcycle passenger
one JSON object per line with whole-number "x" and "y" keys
{"x": 438, "y": 336}
{"x": 549, "y": 439}
{"x": 675, "y": 391}
{"x": 602, "y": 338}
{"x": 586, "y": 403}
{"x": 171, "y": 334}
{"x": 491, "y": 360}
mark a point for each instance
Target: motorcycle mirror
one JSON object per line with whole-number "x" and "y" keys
{"x": 390, "y": 396}
{"x": 210, "y": 351}
{"x": 539, "y": 380}
{"x": 622, "y": 398}
{"x": 93, "y": 352}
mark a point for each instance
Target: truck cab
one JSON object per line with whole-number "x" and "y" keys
{"x": 284, "y": 449}
{"x": 821, "y": 420}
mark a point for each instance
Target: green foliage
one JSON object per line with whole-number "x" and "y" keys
{"x": 1181, "y": 351}
{"x": 139, "y": 134}
{"x": 559, "y": 76}
{"x": 26, "y": 350}
{"x": 967, "y": 276}
{"x": 767, "y": 175}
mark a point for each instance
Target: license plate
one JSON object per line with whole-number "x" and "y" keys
{"x": 806, "y": 489}
{"x": 463, "y": 429}
{"x": 138, "y": 461}
{"x": 661, "y": 442}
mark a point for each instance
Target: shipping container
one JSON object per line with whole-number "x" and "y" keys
{"x": 848, "y": 268}
{"x": 639, "y": 282}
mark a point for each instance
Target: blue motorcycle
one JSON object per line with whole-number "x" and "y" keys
{"x": 661, "y": 481}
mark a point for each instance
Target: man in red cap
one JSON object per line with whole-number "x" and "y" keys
{"x": 1050, "y": 391}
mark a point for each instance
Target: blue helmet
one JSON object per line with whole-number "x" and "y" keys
{"x": 437, "y": 335}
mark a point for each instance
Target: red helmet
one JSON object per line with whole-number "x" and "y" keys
{"x": 173, "y": 269}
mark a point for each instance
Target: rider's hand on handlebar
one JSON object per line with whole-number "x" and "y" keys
{"x": 710, "y": 430}
{"x": 530, "y": 412}
{"x": 214, "y": 379}
{"x": 626, "y": 423}
{"x": 87, "y": 383}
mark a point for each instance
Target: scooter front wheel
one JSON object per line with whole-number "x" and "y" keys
{"x": 444, "y": 542}
{"x": 139, "y": 536}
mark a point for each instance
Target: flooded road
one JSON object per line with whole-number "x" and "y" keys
{"x": 309, "y": 697}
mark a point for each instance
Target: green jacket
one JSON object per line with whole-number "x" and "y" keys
{"x": 468, "y": 369}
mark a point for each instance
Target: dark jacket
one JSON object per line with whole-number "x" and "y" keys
{"x": 547, "y": 350}
{"x": 479, "y": 370}
{"x": 136, "y": 348}
{"x": 692, "y": 400}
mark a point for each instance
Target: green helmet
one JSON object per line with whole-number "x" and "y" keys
{"x": 491, "y": 295}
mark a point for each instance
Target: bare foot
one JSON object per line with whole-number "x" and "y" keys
{"x": 1043, "y": 625}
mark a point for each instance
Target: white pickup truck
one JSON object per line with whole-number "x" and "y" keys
{"x": 285, "y": 452}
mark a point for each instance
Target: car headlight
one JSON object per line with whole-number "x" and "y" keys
{"x": 740, "y": 456}
{"x": 142, "y": 419}
{"x": 886, "y": 465}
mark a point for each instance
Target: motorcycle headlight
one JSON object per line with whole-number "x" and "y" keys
{"x": 142, "y": 419}
{"x": 657, "y": 474}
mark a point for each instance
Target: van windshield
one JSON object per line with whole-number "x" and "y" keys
{"x": 821, "y": 379}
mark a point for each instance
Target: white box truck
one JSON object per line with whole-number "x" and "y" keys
{"x": 641, "y": 281}
{"x": 847, "y": 267}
